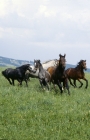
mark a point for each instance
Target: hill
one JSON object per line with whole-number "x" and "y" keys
{"x": 4, "y": 61}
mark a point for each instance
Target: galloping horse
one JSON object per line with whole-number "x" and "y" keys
{"x": 17, "y": 74}
{"x": 58, "y": 74}
{"x": 77, "y": 73}
{"x": 43, "y": 75}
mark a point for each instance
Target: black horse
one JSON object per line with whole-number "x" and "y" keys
{"x": 58, "y": 75}
{"x": 17, "y": 74}
{"x": 43, "y": 75}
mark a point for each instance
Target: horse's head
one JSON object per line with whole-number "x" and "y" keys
{"x": 3, "y": 73}
{"x": 82, "y": 63}
{"x": 62, "y": 61}
{"x": 37, "y": 63}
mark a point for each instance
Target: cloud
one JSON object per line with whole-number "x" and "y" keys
{"x": 45, "y": 24}
{"x": 6, "y": 7}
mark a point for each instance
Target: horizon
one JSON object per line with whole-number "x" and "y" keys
{"x": 33, "y": 61}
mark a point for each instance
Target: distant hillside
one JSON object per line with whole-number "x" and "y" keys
{"x": 12, "y": 62}
{"x": 4, "y": 61}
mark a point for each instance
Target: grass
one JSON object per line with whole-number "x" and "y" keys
{"x": 29, "y": 113}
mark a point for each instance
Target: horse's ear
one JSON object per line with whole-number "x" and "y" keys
{"x": 85, "y": 60}
{"x": 64, "y": 55}
{"x": 39, "y": 61}
{"x": 59, "y": 55}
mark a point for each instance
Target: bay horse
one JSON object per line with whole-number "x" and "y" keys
{"x": 77, "y": 73}
{"x": 58, "y": 74}
{"x": 43, "y": 75}
{"x": 18, "y": 74}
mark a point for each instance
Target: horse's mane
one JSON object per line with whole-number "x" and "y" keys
{"x": 22, "y": 66}
{"x": 49, "y": 61}
{"x": 79, "y": 62}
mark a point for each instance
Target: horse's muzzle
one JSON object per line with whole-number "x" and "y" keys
{"x": 85, "y": 68}
{"x": 2, "y": 72}
{"x": 30, "y": 69}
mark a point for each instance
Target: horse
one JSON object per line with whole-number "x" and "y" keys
{"x": 43, "y": 75}
{"x": 77, "y": 73}
{"x": 45, "y": 65}
{"x": 58, "y": 74}
{"x": 16, "y": 74}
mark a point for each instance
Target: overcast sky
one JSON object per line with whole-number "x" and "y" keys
{"x": 43, "y": 29}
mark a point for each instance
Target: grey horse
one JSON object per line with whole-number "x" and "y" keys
{"x": 43, "y": 75}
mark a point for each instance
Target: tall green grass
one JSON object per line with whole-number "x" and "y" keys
{"x": 29, "y": 113}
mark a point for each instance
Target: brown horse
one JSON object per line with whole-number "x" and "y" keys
{"x": 58, "y": 74}
{"x": 77, "y": 73}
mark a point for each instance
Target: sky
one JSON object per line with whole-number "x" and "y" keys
{"x": 43, "y": 29}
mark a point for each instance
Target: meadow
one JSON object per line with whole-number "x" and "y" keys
{"x": 30, "y": 113}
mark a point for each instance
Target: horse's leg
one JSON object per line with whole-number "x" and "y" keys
{"x": 53, "y": 84}
{"x": 9, "y": 81}
{"x": 26, "y": 82}
{"x": 52, "y": 81}
{"x": 80, "y": 83}
{"x": 47, "y": 85}
{"x": 74, "y": 81}
{"x": 64, "y": 87}
{"x": 41, "y": 83}
{"x": 27, "y": 77}
{"x": 60, "y": 86}
{"x": 47, "y": 81}
{"x": 13, "y": 82}
{"x": 86, "y": 82}
{"x": 67, "y": 85}
{"x": 20, "y": 82}
{"x": 71, "y": 82}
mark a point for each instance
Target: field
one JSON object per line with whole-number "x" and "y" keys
{"x": 29, "y": 113}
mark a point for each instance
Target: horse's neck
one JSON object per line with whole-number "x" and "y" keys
{"x": 23, "y": 70}
{"x": 40, "y": 67}
{"x": 79, "y": 68}
{"x": 60, "y": 69}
